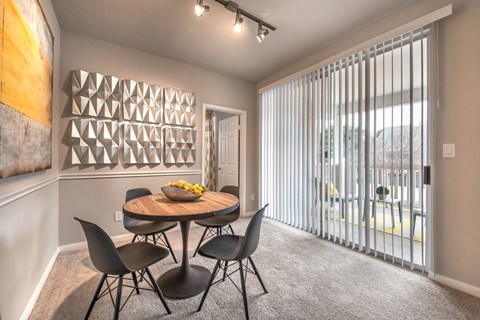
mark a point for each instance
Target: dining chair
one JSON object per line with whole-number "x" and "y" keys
{"x": 117, "y": 262}
{"x": 148, "y": 230}
{"x": 237, "y": 249}
{"x": 218, "y": 225}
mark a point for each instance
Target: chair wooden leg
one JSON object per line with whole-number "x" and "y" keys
{"x": 157, "y": 290}
{"x": 201, "y": 240}
{"x": 258, "y": 274}
{"x": 97, "y": 292}
{"x": 118, "y": 301}
{"x": 135, "y": 282}
{"x": 212, "y": 277}
{"x": 244, "y": 290}
{"x": 170, "y": 247}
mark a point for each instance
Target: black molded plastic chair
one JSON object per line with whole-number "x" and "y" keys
{"x": 218, "y": 225}
{"x": 117, "y": 262}
{"x": 228, "y": 248}
{"x": 145, "y": 229}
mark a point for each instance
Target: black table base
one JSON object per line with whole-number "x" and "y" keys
{"x": 187, "y": 280}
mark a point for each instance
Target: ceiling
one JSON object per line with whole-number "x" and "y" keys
{"x": 169, "y": 28}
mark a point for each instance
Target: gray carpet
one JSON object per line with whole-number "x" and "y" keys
{"x": 307, "y": 278}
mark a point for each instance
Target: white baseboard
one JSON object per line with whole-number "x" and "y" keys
{"x": 33, "y": 299}
{"x": 464, "y": 287}
{"x": 83, "y": 244}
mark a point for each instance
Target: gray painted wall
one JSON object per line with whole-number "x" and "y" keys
{"x": 455, "y": 189}
{"x": 97, "y": 199}
{"x": 29, "y": 227}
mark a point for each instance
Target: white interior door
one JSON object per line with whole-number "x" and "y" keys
{"x": 228, "y": 152}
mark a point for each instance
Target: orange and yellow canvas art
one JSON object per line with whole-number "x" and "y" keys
{"x": 26, "y": 80}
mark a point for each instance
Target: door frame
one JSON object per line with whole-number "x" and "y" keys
{"x": 242, "y": 176}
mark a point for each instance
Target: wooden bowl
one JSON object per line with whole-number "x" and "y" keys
{"x": 178, "y": 194}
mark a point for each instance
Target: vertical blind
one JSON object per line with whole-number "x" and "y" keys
{"x": 343, "y": 149}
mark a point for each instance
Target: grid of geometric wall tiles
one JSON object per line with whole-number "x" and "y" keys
{"x": 140, "y": 138}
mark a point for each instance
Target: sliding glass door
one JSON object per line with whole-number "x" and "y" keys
{"x": 344, "y": 150}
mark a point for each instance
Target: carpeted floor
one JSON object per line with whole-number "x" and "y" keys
{"x": 307, "y": 278}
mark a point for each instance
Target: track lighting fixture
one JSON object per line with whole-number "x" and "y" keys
{"x": 200, "y": 8}
{"x": 263, "y": 27}
{"x": 237, "y": 26}
{"x": 262, "y": 33}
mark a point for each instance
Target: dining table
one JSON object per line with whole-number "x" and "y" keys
{"x": 187, "y": 280}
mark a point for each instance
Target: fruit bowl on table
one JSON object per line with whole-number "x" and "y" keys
{"x": 179, "y": 194}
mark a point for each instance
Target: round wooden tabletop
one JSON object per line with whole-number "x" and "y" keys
{"x": 158, "y": 208}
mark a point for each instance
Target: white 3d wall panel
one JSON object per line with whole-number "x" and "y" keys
{"x": 142, "y": 143}
{"x": 94, "y": 141}
{"x": 141, "y": 102}
{"x": 180, "y": 146}
{"x": 179, "y": 107}
{"x": 95, "y": 95}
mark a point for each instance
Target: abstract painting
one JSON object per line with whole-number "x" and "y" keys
{"x": 26, "y": 82}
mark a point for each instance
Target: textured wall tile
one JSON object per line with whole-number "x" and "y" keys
{"x": 180, "y": 107}
{"x": 180, "y": 145}
{"x": 94, "y": 141}
{"x": 142, "y": 143}
{"x": 95, "y": 95}
{"x": 142, "y": 102}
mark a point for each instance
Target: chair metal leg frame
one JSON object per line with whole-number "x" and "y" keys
{"x": 158, "y": 240}
{"x": 213, "y": 232}
{"x": 244, "y": 290}
{"x": 225, "y": 270}
{"x": 154, "y": 285}
{"x": 117, "y": 303}
{"x": 212, "y": 277}
{"x": 257, "y": 274}
{"x": 244, "y": 270}
{"x": 200, "y": 242}
{"x": 119, "y": 298}
{"x": 167, "y": 243}
{"x": 97, "y": 293}
{"x": 135, "y": 282}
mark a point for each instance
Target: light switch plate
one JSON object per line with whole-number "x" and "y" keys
{"x": 449, "y": 150}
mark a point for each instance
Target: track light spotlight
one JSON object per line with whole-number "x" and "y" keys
{"x": 231, "y": 6}
{"x": 200, "y": 8}
{"x": 262, "y": 33}
{"x": 237, "y": 26}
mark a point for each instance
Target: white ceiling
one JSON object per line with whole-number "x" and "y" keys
{"x": 169, "y": 28}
